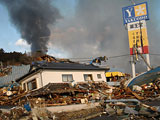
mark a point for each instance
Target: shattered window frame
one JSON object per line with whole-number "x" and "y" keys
{"x": 67, "y": 77}
{"x": 88, "y": 77}
{"x": 31, "y": 85}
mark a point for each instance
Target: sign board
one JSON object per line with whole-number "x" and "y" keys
{"x": 137, "y": 33}
{"x": 135, "y": 13}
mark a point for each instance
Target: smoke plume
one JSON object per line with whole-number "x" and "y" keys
{"x": 97, "y": 29}
{"x": 32, "y": 18}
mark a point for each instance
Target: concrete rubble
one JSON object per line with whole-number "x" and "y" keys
{"x": 112, "y": 101}
{"x": 90, "y": 100}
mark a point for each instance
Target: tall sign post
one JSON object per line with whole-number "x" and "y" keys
{"x": 135, "y": 17}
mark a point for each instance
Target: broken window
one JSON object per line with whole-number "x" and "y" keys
{"x": 32, "y": 84}
{"x": 88, "y": 77}
{"x": 99, "y": 76}
{"x": 67, "y": 78}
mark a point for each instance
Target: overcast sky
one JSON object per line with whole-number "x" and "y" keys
{"x": 87, "y": 29}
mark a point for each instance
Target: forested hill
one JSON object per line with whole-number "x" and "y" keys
{"x": 14, "y": 58}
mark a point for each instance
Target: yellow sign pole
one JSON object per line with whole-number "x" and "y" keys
{"x": 135, "y": 17}
{"x": 138, "y": 40}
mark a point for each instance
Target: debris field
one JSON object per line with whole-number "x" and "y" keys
{"x": 113, "y": 101}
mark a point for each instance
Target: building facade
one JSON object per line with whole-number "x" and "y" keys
{"x": 61, "y": 73}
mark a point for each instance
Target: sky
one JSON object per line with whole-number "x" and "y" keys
{"x": 88, "y": 29}
{"x": 11, "y": 39}
{"x": 8, "y": 34}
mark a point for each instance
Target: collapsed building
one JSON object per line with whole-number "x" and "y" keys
{"x": 49, "y": 76}
{"x": 67, "y": 85}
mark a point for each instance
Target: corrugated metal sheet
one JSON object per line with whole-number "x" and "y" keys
{"x": 17, "y": 72}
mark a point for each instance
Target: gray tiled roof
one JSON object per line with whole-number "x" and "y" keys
{"x": 68, "y": 66}
{"x": 60, "y": 66}
{"x": 17, "y": 72}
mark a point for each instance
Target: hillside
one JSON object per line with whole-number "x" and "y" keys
{"x": 14, "y": 58}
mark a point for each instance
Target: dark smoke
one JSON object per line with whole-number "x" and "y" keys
{"x": 32, "y": 17}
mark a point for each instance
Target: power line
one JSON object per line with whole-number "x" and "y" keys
{"x": 119, "y": 56}
{"x": 85, "y": 59}
{"x": 91, "y": 58}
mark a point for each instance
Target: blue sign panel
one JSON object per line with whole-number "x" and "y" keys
{"x": 135, "y": 13}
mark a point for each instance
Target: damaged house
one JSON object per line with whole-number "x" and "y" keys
{"x": 45, "y": 73}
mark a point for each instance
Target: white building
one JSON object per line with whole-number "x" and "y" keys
{"x": 41, "y": 75}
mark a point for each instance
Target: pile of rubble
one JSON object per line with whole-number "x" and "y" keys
{"x": 41, "y": 58}
{"x": 19, "y": 113}
{"x": 13, "y": 114}
{"x": 48, "y": 58}
{"x": 5, "y": 71}
{"x": 130, "y": 108}
{"x": 145, "y": 91}
{"x": 11, "y": 96}
{"x": 54, "y": 94}
{"x": 114, "y": 101}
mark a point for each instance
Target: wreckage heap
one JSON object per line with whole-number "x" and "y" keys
{"x": 54, "y": 91}
{"x": 123, "y": 101}
{"x": 90, "y": 91}
{"x": 113, "y": 101}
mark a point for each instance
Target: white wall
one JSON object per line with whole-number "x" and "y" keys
{"x": 36, "y": 76}
{"x": 55, "y": 76}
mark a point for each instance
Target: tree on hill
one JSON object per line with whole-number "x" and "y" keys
{"x": 14, "y": 58}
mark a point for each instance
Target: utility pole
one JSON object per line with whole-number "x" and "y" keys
{"x": 132, "y": 56}
{"x": 133, "y": 66}
{"x": 148, "y": 61}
